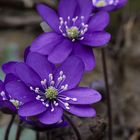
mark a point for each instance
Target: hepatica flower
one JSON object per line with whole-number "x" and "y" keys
{"x": 6, "y": 101}
{"x": 45, "y": 91}
{"x": 75, "y": 30}
{"x": 108, "y": 5}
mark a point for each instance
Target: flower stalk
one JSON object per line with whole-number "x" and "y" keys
{"x": 109, "y": 112}
{"x": 48, "y": 135}
{"x": 37, "y": 135}
{"x": 19, "y": 130}
{"x": 77, "y": 133}
{"x": 9, "y": 128}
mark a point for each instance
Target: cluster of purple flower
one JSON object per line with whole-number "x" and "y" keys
{"x": 45, "y": 84}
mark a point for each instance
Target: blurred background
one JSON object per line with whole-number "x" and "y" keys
{"x": 20, "y": 24}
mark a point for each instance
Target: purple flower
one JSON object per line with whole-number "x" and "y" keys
{"x": 108, "y": 5}
{"x": 45, "y": 91}
{"x": 7, "y": 101}
{"x": 75, "y": 31}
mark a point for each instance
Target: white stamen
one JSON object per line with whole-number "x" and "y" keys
{"x": 74, "y": 99}
{"x": 83, "y": 24}
{"x": 65, "y": 22}
{"x": 82, "y": 32}
{"x": 43, "y": 82}
{"x": 94, "y": 1}
{"x": 4, "y": 99}
{"x": 36, "y": 90}
{"x": 62, "y": 87}
{"x": 81, "y": 38}
{"x": 47, "y": 105}
{"x": 60, "y": 18}
{"x": 52, "y": 83}
{"x": 64, "y": 34}
{"x": 31, "y": 88}
{"x": 52, "y": 109}
{"x": 68, "y": 17}
{"x": 2, "y": 93}
{"x": 64, "y": 77}
{"x": 110, "y": 2}
{"x": 60, "y": 79}
{"x": 42, "y": 100}
{"x": 55, "y": 103}
{"x": 38, "y": 97}
{"x": 67, "y": 98}
{"x": 66, "y": 87}
{"x": 60, "y": 27}
{"x": 73, "y": 40}
{"x": 74, "y": 19}
{"x": 67, "y": 107}
{"x": 51, "y": 76}
{"x": 43, "y": 103}
{"x": 61, "y": 73}
{"x": 66, "y": 104}
{"x": 86, "y": 26}
{"x": 61, "y": 22}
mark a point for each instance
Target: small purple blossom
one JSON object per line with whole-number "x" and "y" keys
{"x": 45, "y": 91}
{"x": 6, "y": 101}
{"x": 75, "y": 31}
{"x": 108, "y": 5}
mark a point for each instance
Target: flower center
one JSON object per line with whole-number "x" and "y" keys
{"x": 16, "y": 103}
{"x": 101, "y": 3}
{"x": 72, "y": 32}
{"x": 51, "y": 93}
{"x": 73, "y": 28}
